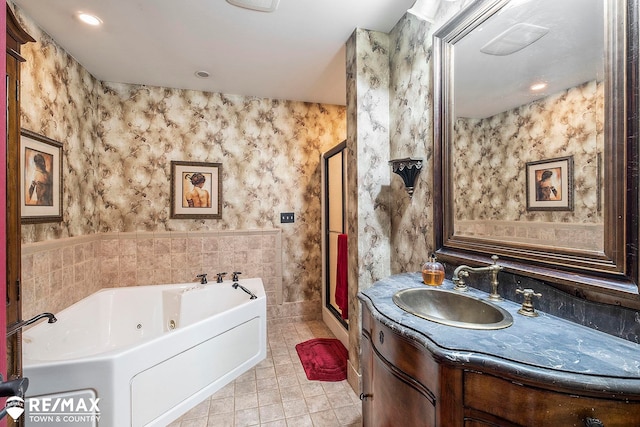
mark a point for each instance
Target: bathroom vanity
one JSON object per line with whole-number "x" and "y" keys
{"x": 540, "y": 371}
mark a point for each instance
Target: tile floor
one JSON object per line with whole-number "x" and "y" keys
{"x": 277, "y": 392}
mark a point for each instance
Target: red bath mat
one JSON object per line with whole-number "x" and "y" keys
{"x": 323, "y": 359}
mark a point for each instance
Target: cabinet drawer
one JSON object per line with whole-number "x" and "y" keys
{"x": 527, "y": 406}
{"x": 403, "y": 353}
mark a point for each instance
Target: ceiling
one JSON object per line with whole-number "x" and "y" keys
{"x": 295, "y": 53}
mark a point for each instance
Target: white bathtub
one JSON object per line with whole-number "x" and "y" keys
{"x": 148, "y": 353}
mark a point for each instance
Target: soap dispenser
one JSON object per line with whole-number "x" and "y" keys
{"x": 433, "y": 272}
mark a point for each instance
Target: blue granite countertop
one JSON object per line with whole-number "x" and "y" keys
{"x": 546, "y": 347}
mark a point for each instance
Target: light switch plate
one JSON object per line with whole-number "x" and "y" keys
{"x": 287, "y": 217}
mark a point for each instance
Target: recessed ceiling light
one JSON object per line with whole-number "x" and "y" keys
{"x": 202, "y": 74}
{"x": 538, "y": 86}
{"x": 89, "y": 19}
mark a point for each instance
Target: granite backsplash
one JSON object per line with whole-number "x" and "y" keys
{"x": 614, "y": 320}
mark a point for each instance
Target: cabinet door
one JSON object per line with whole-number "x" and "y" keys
{"x": 530, "y": 405}
{"x": 390, "y": 399}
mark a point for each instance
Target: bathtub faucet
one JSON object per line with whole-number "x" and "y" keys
{"x": 17, "y": 387}
{"x": 238, "y": 285}
{"x": 220, "y": 276}
{"x": 203, "y": 278}
{"x": 17, "y": 326}
{"x": 234, "y": 277}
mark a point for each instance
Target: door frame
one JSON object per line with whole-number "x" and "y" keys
{"x": 332, "y": 317}
{"x": 3, "y": 200}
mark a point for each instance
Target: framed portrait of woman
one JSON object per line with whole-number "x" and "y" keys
{"x": 550, "y": 184}
{"x": 40, "y": 178}
{"x": 196, "y": 190}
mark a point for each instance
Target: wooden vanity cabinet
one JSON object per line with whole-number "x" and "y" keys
{"x": 400, "y": 380}
{"x": 404, "y": 384}
{"x": 406, "y": 403}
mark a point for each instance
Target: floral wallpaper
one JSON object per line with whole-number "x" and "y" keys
{"x": 368, "y": 145}
{"x": 411, "y": 135}
{"x": 119, "y": 140}
{"x": 270, "y": 154}
{"x": 368, "y": 173}
{"x": 490, "y": 156}
{"x": 59, "y": 100}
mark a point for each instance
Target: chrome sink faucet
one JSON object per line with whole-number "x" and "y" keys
{"x": 18, "y": 326}
{"x": 463, "y": 271}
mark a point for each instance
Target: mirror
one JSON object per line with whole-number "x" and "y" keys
{"x": 534, "y": 153}
{"x": 516, "y": 109}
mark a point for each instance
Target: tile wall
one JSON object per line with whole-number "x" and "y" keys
{"x": 59, "y": 273}
{"x": 572, "y": 236}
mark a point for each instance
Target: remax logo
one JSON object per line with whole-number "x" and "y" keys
{"x": 14, "y": 407}
{"x": 55, "y": 411}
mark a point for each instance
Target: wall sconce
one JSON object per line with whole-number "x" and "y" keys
{"x": 408, "y": 168}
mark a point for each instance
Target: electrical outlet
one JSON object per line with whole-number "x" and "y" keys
{"x": 287, "y": 217}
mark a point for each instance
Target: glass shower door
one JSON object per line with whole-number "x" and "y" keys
{"x": 334, "y": 224}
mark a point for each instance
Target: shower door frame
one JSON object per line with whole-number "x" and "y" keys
{"x": 328, "y": 254}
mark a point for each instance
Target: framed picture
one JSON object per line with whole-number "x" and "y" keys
{"x": 196, "y": 190}
{"x": 40, "y": 178}
{"x": 550, "y": 185}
